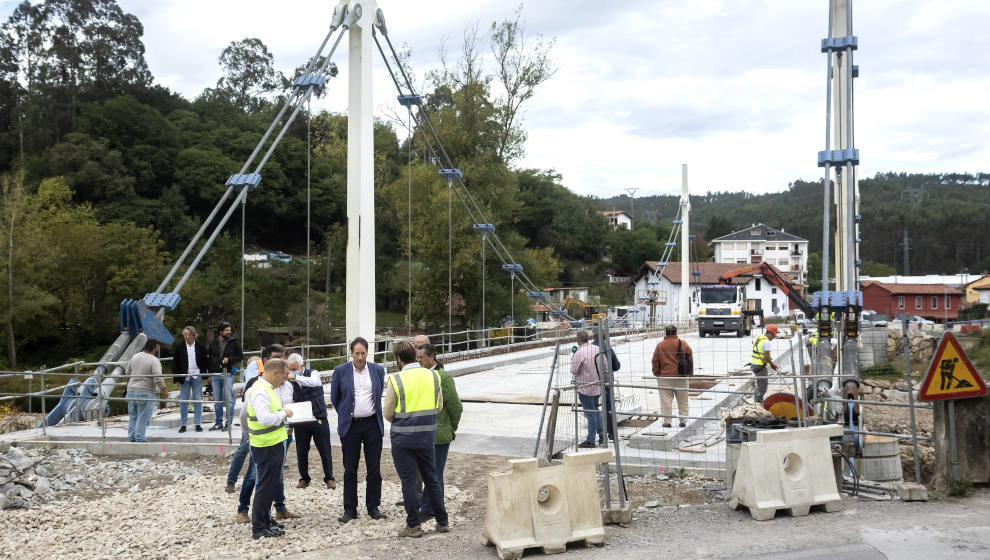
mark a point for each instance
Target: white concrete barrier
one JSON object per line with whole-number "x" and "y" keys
{"x": 545, "y": 507}
{"x": 786, "y": 469}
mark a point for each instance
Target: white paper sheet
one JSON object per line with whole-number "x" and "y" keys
{"x": 301, "y": 412}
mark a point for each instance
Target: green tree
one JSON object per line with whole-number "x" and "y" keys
{"x": 871, "y": 268}
{"x": 249, "y": 76}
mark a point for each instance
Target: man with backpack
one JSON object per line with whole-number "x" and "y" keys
{"x": 673, "y": 365}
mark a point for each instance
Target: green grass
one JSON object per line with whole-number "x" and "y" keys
{"x": 980, "y": 356}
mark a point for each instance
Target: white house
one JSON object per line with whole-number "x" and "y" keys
{"x": 665, "y": 285}
{"x": 761, "y": 243}
{"x": 617, "y": 218}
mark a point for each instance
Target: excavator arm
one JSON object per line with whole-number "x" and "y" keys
{"x": 774, "y": 277}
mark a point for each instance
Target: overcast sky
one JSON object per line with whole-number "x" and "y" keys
{"x": 734, "y": 88}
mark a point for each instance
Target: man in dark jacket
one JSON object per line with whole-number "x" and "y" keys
{"x": 225, "y": 355}
{"x": 189, "y": 363}
{"x": 615, "y": 365}
{"x": 307, "y": 386}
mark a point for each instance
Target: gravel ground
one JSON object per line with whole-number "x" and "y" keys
{"x": 175, "y": 507}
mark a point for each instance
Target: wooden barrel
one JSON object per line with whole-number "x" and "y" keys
{"x": 881, "y": 460}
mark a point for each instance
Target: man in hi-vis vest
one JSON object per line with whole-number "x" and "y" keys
{"x": 266, "y": 432}
{"x": 760, "y": 359}
{"x": 413, "y": 400}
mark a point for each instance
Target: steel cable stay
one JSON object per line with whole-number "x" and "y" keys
{"x": 290, "y": 101}
{"x": 142, "y": 319}
{"x": 408, "y": 97}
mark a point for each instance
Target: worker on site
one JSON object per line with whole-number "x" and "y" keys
{"x": 760, "y": 359}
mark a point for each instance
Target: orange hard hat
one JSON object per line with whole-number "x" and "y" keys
{"x": 772, "y": 328}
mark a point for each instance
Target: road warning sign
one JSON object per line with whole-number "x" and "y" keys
{"x": 951, "y": 375}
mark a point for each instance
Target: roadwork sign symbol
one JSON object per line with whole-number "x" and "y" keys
{"x": 951, "y": 375}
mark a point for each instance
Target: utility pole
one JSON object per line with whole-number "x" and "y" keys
{"x": 632, "y": 201}
{"x": 907, "y": 254}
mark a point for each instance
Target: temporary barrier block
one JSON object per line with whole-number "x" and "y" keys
{"x": 545, "y": 507}
{"x": 786, "y": 469}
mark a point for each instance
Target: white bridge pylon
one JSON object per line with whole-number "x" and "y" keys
{"x": 360, "y": 17}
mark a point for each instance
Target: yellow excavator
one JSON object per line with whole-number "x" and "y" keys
{"x": 581, "y": 310}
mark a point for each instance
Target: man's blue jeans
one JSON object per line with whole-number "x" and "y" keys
{"x": 140, "y": 406}
{"x": 191, "y": 390}
{"x": 237, "y": 461}
{"x": 589, "y": 403}
{"x": 223, "y": 393}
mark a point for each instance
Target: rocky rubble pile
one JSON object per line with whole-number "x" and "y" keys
{"x": 883, "y": 390}
{"x": 33, "y": 476}
{"x": 23, "y": 479}
{"x": 921, "y": 345}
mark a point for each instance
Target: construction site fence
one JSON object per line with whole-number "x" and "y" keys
{"x": 650, "y": 454}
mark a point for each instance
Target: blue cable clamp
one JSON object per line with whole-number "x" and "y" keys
{"x": 451, "y": 174}
{"x": 512, "y": 267}
{"x": 662, "y": 263}
{"x": 678, "y": 222}
{"x": 537, "y": 295}
{"x": 136, "y": 318}
{"x": 838, "y": 157}
{"x": 840, "y": 43}
{"x": 410, "y": 99}
{"x": 244, "y": 180}
{"x": 485, "y": 228}
{"x": 309, "y": 80}
{"x": 158, "y": 301}
{"x": 671, "y": 243}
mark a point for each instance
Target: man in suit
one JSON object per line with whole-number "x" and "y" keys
{"x": 189, "y": 363}
{"x": 356, "y": 393}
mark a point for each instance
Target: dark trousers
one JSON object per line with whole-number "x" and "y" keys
{"x": 761, "y": 382}
{"x": 363, "y": 431}
{"x": 268, "y": 462}
{"x": 608, "y": 418}
{"x": 409, "y": 460}
{"x": 319, "y": 432}
{"x": 439, "y": 462}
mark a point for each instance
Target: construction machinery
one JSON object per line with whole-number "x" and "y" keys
{"x": 793, "y": 290}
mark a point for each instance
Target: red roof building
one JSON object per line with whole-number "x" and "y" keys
{"x": 937, "y": 302}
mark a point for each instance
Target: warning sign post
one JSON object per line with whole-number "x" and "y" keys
{"x": 951, "y": 375}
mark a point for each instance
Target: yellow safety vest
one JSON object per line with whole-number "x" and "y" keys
{"x": 758, "y": 348}
{"x": 417, "y": 404}
{"x": 258, "y": 434}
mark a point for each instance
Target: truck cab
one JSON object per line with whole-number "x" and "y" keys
{"x": 720, "y": 309}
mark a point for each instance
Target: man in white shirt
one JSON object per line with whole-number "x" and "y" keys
{"x": 309, "y": 387}
{"x": 266, "y": 426}
{"x": 356, "y": 393}
{"x": 189, "y": 361}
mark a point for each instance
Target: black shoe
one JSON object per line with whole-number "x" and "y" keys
{"x": 666, "y": 425}
{"x": 348, "y": 516}
{"x": 400, "y": 503}
{"x": 375, "y": 514}
{"x": 278, "y": 529}
{"x": 276, "y": 524}
{"x": 199, "y": 428}
{"x": 683, "y": 424}
{"x": 266, "y": 533}
{"x": 182, "y": 429}
{"x": 586, "y": 444}
{"x": 216, "y": 427}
